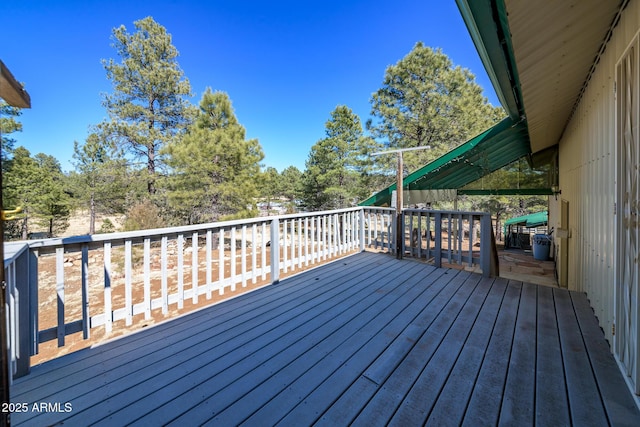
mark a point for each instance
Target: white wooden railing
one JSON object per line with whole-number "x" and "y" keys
{"x": 96, "y": 285}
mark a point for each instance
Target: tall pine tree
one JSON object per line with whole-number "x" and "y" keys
{"x": 99, "y": 183}
{"x": 214, "y": 168}
{"x": 339, "y": 165}
{"x": 427, "y": 101}
{"x": 147, "y": 108}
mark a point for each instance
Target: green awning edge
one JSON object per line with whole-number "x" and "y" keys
{"x": 529, "y": 221}
{"x": 505, "y": 127}
{"x": 487, "y": 23}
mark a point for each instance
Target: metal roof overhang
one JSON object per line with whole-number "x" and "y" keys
{"x": 540, "y": 55}
{"x": 493, "y": 149}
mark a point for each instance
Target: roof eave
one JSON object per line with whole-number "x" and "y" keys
{"x": 492, "y": 42}
{"x": 12, "y": 91}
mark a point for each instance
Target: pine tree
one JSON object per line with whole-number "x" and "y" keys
{"x": 38, "y": 186}
{"x": 8, "y": 125}
{"x": 338, "y": 166}
{"x": 147, "y": 108}
{"x": 214, "y": 168}
{"x": 426, "y": 101}
{"x": 99, "y": 183}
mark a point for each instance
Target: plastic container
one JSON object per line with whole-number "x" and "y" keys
{"x": 541, "y": 247}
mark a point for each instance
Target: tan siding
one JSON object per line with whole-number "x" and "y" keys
{"x": 587, "y": 166}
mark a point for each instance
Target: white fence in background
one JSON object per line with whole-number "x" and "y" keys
{"x": 107, "y": 282}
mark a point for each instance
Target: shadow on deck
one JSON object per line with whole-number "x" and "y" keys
{"x": 366, "y": 339}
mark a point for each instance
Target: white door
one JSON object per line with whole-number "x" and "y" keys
{"x": 628, "y": 209}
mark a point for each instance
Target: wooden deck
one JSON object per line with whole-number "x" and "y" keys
{"x": 368, "y": 340}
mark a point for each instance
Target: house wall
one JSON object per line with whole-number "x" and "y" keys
{"x": 587, "y": 179}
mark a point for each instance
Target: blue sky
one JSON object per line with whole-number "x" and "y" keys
{"x": 285, "y": 64}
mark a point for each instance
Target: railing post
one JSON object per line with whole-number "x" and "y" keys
{"x": 275, "y": 250}
{"x": 438, "y": 240}
{"x": 23, "y": 306}
{"x": 485, "y": 245}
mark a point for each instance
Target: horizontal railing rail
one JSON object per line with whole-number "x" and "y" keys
{"x": 62, "y": 291}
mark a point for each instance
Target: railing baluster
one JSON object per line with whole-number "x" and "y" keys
{"x": 449, "y": 237}
{"x": 108, "y": 314}
{"x": 306, "y": 241}
{"x": 438, "y": 240}
{"x": 292, "y": 225}
{"x": 86, "y": 320}
{"x": 128, "y": 306}
{"x": 460, "y": 231}
{"x": 147, "y": 278}
{"x": 284, "y": 246}
{"x": 275, "y": 251}
{"x": 180, "y": 267}
{"x": 420, "y": 216}
{"x": 263, "y": 254}
{"x": 300, "y": 243}
{"x": 313, "y": 239}
{"x": 254, "y": 250}
{"x": 325, "y": 238}
{"x": 60, "y": 292}
{"x": 164, "y": 279}
{"x": 194, "y": 267}
{"x": 221, "y": 261}
{"x": 233, "y": 258}
{"x": 243, "y": 254}
{"x": 471, "y": 237}
{"x": 209, "y": 263}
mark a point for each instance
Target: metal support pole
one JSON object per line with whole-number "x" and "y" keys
{"x": 399, "y": 196}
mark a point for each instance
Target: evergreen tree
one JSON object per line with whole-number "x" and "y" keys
{"x": 8, "y": 125}
{"x": 215, "y": 169}
{"x": 338, "y": 166}
{"x": 147, "y": 108}
{"x": 270, "y": 186}
{"x": 53, "y": 208}
{"x": 291, "y": 183}
{"x": 426, "y": 101}
{"x": 99, "y": 183}
{"x": 37, "y": 185}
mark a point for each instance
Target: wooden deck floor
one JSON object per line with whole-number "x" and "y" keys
{"x": 368, "y": 340}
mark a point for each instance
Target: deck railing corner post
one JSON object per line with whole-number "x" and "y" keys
{"x": 25, "y": 264}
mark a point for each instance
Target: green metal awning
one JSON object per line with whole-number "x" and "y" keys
{"x": 493, "y": 149}
{"x": 487, "y": 21}
{"x": 532, "y": 220}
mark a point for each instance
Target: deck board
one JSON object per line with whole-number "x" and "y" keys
{"x": 518, "y": 402}
{"x": 368, "y": 339}
{"x": 552, "y": 407}
{"x": 487, "y": 395}
{"x": 454, "y": 398}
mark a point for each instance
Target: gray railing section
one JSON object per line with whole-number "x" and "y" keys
{"x": 167, "y": 267}
{"x": 453, "y": 237}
